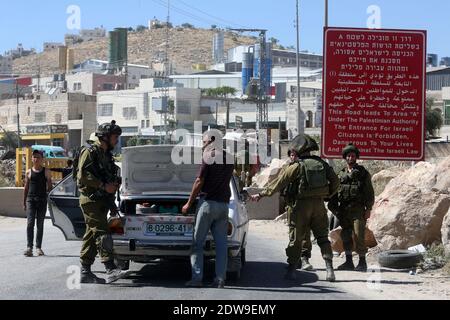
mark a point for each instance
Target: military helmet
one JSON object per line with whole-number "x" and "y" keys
{"x": 303, "y": 143}
{"x": 108, "y": 129}
{"x": 349, "y": 149}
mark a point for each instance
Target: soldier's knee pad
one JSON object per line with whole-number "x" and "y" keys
{"x": 106, "y": 243}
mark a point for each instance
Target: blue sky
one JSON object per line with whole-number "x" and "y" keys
{"x": 32, "y": 22}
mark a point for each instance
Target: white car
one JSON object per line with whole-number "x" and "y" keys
{"x": 153, "y": 192}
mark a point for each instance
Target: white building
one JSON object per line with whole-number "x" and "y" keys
{"x": 135, "y": 72}
{"x": 215, "y": 79}
{"x": 83, "y": 82}
{"x": 138, "y": 111}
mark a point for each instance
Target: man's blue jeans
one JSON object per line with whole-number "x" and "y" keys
{"x": 212, "y": 216}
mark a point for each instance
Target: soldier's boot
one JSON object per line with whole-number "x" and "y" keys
{"x": 113, "y": 273}
{"x": 290, "y": 274}
{"x": 362, "y": 265}
{"x": 306, "y": 266}
{"x": 331, "y": 277}
{"x": 87, "y": 277}
{"x": 348, "y": 265}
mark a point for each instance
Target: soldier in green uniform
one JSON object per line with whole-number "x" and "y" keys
{"x": 352, "y": 206}
{"x": 309, "y": 181}
{"x": 307, "y": 244}
{"x": 98, "y": 182}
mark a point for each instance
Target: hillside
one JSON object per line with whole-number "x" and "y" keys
{"x": 187, "y": 47}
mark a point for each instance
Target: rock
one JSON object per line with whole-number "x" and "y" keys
{"x": 382, "y": 178}
{"x": 445, "y": 231}
{"x": 442, "y": 176}
{"x": 406, "y": 214}
{"x": 270, "y": 173}
{"x": 338, "y": 246}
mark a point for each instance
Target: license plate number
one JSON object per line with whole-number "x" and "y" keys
{"x": 169, "y": 229}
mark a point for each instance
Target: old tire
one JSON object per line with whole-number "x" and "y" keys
{"x": 399, "y": 259}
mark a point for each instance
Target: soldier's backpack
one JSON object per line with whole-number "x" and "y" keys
{"x": 313, "y": 178}
{"x": 76, "y": 159}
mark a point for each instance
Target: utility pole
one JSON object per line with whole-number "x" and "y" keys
{"x": 19, "y": 142}
{"x": 300, "y": 124}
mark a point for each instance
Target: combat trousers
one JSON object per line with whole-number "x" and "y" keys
{"x": 97, "y": 238}
{"x": 308, "y": 214}
{"x": 353, "y": 222}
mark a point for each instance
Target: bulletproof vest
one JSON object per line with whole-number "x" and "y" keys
{"x": 313, "y": 180}
{"x": 351, "y": 185}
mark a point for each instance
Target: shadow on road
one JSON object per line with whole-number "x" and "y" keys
{"x": 255, "y": 277}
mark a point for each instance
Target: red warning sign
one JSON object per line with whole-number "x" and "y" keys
{"x": 374, "y": 93}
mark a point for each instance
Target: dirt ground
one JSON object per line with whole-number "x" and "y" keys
{"x": 378, "y": 283}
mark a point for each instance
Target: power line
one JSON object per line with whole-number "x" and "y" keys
{"x": 210, "y": 15}
{"x": 185, "y": 13}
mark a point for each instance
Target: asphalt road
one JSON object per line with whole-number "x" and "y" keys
{"x": 46, "y": 277}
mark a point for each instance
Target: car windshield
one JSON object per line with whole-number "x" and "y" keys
{"x": 59, "y": 154}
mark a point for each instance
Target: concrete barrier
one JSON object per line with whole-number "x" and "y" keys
{"x": 11, "y": 202}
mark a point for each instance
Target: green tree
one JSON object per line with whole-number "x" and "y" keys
{"x": 434, "y": 121}
{"x": 141, "y": 28}
{"x": 187, "y": 25}
{"x": 274, "y": 41}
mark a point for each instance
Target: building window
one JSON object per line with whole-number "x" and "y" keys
{"x": 183, "y": 107}
{"x": 105, "y": 110}
{"x": 148, "y": 123}
{"x": 14, "y": 119}
{"x": 108, "y": 86}
{"x": 77, "y": 86}
{"x": 129, "y": 113}
{"x": 447, "y": 112}
{"x": 58, "y": 118}
{"x": 142, "y": 124}
{"x": 130, "y": 130}
{"x": 58, "y": 142}
{"x": 40, "y": 117}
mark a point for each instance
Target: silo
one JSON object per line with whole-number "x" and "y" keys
{"x": 62, "y": 59}
{"x": 266, "y": 72}
{"x": 122, "y": 46}
{"x": 247, "y": 69}
{"x": 269, "y": 64}
{"x": 218, "y": 47}
{"x": 256, "y": 60}
{"x": 113, "y": 50}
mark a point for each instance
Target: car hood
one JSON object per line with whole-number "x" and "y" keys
{"x": 150, "y": 170}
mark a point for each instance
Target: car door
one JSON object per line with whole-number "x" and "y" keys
{"x": 65, "y": 210}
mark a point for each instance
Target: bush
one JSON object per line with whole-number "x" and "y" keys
{"x": 434, "y": 121}
{"x": 141, "y": 28}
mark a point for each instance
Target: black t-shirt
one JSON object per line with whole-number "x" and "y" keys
{"x": 217, "y": 180}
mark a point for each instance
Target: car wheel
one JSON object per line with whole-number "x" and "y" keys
{"x": 399, "y": 259}
{"x": 123, "y": 265}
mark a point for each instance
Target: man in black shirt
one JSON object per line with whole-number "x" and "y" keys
{"x": 38, "y": 183}
{"x": 213, "y": 186}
